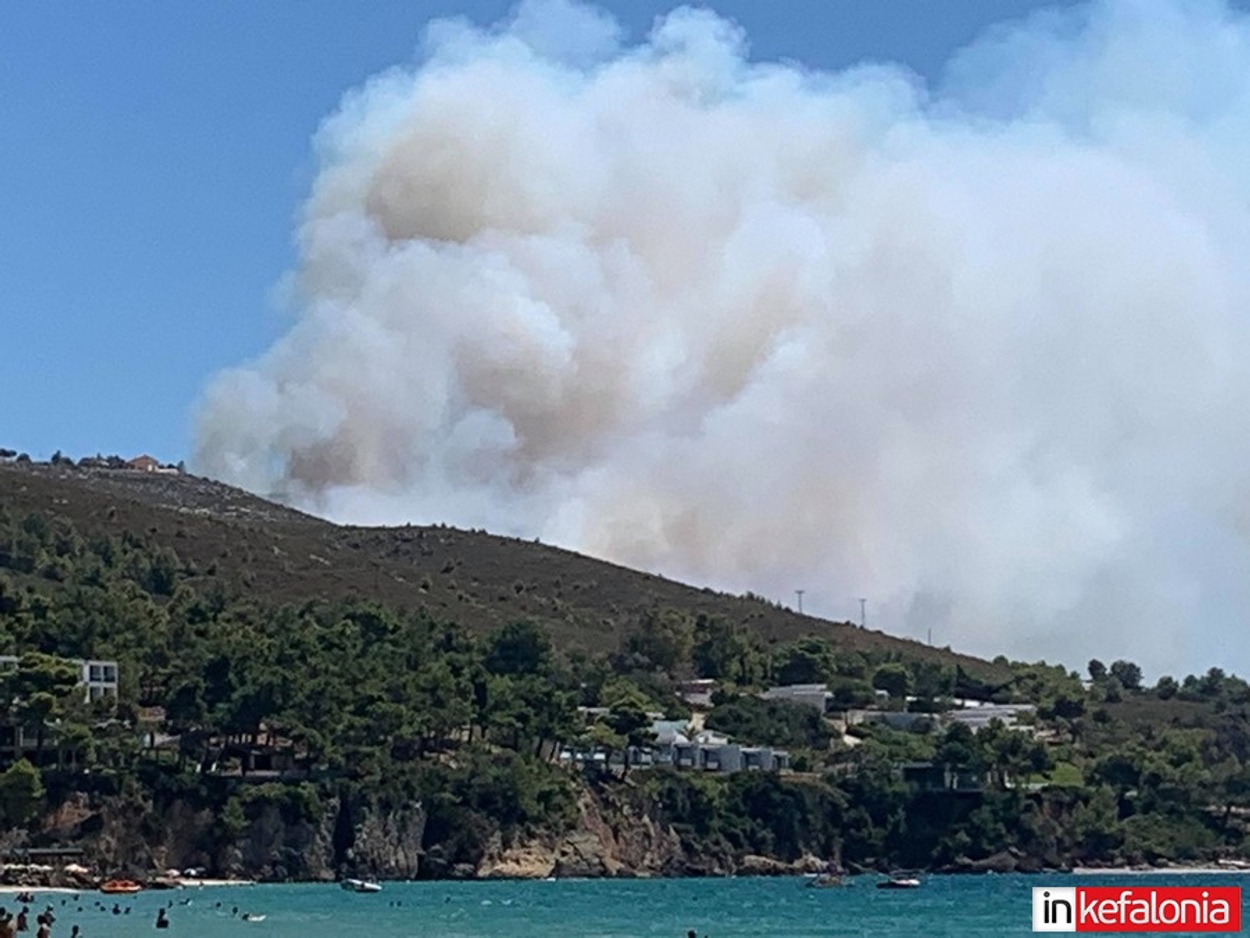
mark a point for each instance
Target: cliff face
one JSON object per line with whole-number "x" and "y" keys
{"x": 386, "y": 844}
{"x": 126, "y": 837}
{"x": 274, "y": 848}
{"x": 617, "y": 833}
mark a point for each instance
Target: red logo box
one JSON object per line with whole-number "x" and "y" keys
{"x": 1137, "y": 909}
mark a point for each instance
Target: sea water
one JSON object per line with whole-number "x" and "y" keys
{"x": 944, "y": 907}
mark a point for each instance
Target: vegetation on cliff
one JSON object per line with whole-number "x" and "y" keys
{"x": 239, "y": 715}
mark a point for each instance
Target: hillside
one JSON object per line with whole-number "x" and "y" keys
{"x": 275, "y": 554}
{"x": 252, "y": 731}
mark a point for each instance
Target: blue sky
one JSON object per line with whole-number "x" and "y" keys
{"x": 152, "y": 157}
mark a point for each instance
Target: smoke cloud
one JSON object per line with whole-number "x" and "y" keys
{"x": 974, "y": 351}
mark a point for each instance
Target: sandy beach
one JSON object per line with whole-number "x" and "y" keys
{"x": 1161, "y": 871}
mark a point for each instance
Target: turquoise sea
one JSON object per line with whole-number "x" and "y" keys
{"x": 954, "y": 906}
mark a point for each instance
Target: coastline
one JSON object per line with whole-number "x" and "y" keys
{"x": 7, "y": 891}
{"x": 211, "y": 883}
{"x": 1160, "y": 871}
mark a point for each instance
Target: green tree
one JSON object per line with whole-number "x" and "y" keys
{"x": 1012, "y": 755}
{"x": 960, "y": 751}
{"x": 627, "y": 718}
{"x": 757, "y": 722}
{"x": 43, "y": 689}
{"x": 931, "y": 680}
{"x": 21, "y": 790}
{"x": 518, "y": 648}
{"x": 1127, "y": 673}
{"x": 727, "y": 652}
{"x": 664, "y": 640}
{"x": 807, "y": 661}
{"x": 894, "y": 679}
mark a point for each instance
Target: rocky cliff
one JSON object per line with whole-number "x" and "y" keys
{"x": 618, "y": 832}
{"x": 126, "y": 836}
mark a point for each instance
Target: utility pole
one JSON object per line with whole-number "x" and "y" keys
{"x": 863, "y": 615}
{"x": 799, "y": 593}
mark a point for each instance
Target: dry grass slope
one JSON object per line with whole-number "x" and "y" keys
{"x": 277, "y": 554}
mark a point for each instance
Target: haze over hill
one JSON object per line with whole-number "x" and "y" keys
{"x": 974, "y": 351}
{"x": 273, "y": 554}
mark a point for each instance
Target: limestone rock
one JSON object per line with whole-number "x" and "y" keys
{"x": 522, "y": 862}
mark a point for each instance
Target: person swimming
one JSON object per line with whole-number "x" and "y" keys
{"x": 162, "y": 921}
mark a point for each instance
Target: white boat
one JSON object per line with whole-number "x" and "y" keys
{"x": 901, "y": 879}
{"x": 360, "y": 885}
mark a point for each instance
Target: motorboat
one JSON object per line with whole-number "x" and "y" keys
{"x": 900, "y": 879}
{"x": 360, "y": 885}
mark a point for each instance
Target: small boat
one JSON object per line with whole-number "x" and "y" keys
{"x": 253, "y": 918}
{"x": 360, "y": 885}
{"x": 120, "y": 887}
{"x": 831, "y": 877}
{"x": 826, "y": 881}
{"x": 901, "y": 879}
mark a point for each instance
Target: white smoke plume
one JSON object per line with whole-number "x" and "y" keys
{"x": 977, "y": 352}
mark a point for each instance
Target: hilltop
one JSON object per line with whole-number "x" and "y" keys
{"x": 275, "y": 554}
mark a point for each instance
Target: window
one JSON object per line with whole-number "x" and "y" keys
{"x": 95, "y": 673}
{"x": 110, "y": 673}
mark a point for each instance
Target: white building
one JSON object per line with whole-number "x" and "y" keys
{"x": 979, "y": 717}
{"x": 804, "y": 695}
{"x": 676, "y": 743}
{"x": 100, "y": 678}
{"x": 698, "y": 693}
